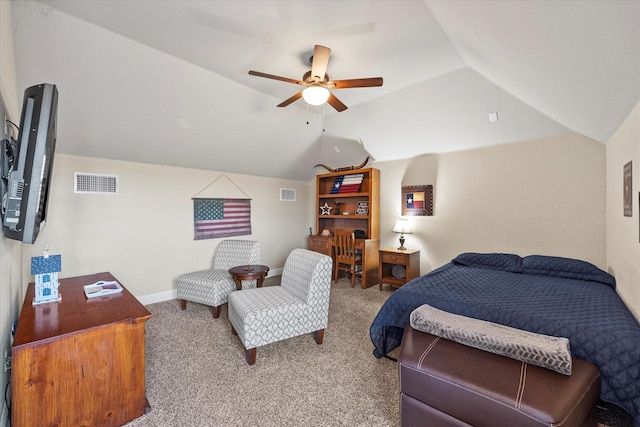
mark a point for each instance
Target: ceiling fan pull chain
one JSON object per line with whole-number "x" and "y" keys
{"x": 307, "y": 113}
{"x": 322, "y": 117}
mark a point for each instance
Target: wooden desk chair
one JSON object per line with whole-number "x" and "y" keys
{"x": 347, "y": 259}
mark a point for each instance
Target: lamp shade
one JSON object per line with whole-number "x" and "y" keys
{"x": 402, "y": 226}
{"x": 315, "y": 95}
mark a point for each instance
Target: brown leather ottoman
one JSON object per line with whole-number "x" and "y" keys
{"x": 443, "y": 383}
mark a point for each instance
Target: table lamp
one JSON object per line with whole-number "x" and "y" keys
{"x": 403, "y": 227}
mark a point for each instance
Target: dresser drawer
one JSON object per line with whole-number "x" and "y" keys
{"x": 320, "y": 244}
{"x": 393, "y": 258}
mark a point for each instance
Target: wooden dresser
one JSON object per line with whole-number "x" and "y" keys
{"x": 79, "y": 362}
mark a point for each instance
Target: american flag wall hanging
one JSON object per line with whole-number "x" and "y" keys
{"x": 214, "y": 218}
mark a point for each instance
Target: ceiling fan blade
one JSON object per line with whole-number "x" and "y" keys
{"x": 320, "y": 62}
{"x": 367, "y": 82}
{"x": 271, "y": 76}
{"x": 336, "y": 103}
{"x": 294, "y": 98}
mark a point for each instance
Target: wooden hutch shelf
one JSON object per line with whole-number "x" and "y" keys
{"x": 366, "y": 194}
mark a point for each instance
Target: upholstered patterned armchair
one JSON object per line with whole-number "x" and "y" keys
{"x": 213, "y": 286}
{"x": 300, "y": 304}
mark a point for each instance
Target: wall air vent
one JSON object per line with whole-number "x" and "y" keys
{"x": 91, "y": 183}
{"x": 287, "y": 195}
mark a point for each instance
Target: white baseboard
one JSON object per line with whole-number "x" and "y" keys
{"x": 4, "y": 421}
{"x": 157, "y": 297}
{"x": 172, "y": 294}
{"x": 275, "y": 272}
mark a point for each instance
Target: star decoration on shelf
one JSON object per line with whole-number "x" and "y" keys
{"x": 326, "y": 210}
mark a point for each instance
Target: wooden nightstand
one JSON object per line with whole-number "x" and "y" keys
{"x": 408, "y": 259}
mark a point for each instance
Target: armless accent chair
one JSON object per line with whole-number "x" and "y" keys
{"x": 347, "y": 257}
{"x": 300, "y": 305}
{"x": 212, "y": 287}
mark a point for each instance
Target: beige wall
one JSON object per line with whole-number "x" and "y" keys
{"x": 8, "y": 86}
{"x": 623, "y": 240}
{"x": 544, "y": 196}
{"x": 144, "y": 234}
{"x": 11, "y": 290}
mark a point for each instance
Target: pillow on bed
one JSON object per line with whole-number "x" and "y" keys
{"x": 492, "y": 261}
{"x": 536, "y": 349}
{"x": 566, "y": 267}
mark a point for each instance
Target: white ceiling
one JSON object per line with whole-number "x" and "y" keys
{"x": 167, "y": 82}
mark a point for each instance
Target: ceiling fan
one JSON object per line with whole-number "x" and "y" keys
{"x": 318, "y": 84}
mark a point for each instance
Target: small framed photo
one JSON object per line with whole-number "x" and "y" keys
{"x": 627, "y": 190}
{"x": 362, "y": 208}
{"x": 417, "y": 200}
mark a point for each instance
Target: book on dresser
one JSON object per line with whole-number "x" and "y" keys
{"x": 101, "y": 288}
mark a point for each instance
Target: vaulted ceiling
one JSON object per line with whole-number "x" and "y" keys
{"x": 167, "y": 82}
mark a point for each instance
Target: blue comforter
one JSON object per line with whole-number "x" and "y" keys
{"x": 549, "y": 295}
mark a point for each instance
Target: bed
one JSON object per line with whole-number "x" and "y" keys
{"x": 554, "y": 296}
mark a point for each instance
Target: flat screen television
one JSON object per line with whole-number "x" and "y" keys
{"x": 27, "y": 198}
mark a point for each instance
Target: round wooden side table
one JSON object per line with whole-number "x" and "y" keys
{"x": 249, "y": 272}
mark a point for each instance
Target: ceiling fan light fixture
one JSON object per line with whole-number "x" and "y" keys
{"x": 317, "y": 82}
{"x": 315, "y": 95}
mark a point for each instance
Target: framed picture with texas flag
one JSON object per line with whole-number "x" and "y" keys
{"x": 417, "y": 200}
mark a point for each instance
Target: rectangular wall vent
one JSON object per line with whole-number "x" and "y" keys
{"x": 287, "y": 195}
{"x": 91, "y": 183}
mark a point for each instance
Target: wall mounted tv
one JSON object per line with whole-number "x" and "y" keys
{"x": 27, "y": 196}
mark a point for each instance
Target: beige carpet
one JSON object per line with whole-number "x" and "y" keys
{"x": 197, "y": 376}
